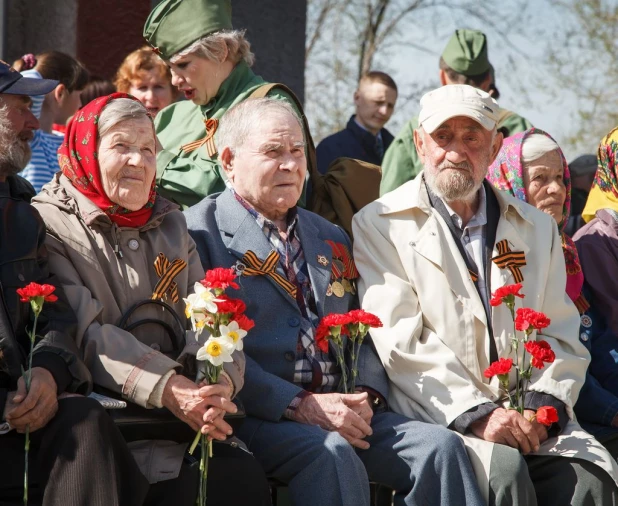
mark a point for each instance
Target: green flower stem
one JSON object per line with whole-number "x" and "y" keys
{"x": 212, "y": 373}
{"x": 28, "y": 380}
{"x": 344, "y": 375}
{"x": 356, "y": 346}
{"x": 518, "y": 367}
{"x": 196, "y": 440}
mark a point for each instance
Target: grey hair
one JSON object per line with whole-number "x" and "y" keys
{"x": 118, "y": 110}
{"x": 215, "y": 46}
{"x": 243, "y": 118}
{"x": 535, "y": 146}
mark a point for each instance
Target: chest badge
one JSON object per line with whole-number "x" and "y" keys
{"x": 586, "y": 321}
{"x": 322, "y": 260}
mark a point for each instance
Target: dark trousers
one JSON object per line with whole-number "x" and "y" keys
{"x": 79, "y": 458}
{"x": 234, "y": 478}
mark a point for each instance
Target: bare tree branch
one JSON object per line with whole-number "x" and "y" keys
{"x": 325, "y": 9}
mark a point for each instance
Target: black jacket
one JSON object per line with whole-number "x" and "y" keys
{"x": 23, "y": 259}
{"x": 351, "y": 142}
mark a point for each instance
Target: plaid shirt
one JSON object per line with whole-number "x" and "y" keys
{"x": 314, "y": 371}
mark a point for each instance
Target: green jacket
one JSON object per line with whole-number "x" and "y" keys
{"x": 401, "y": 162}
{"x": 186, "y": 178}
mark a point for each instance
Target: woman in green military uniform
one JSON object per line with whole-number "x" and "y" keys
{"x": 210, "y": 64}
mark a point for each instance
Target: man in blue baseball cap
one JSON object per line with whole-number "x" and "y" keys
{"x": 77, "y": 455}
{"x": 17, "y": 123}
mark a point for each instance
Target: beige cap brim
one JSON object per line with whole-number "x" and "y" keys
{"x": 432, "y": 122}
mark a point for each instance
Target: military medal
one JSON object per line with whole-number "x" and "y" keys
{"x": 586, "y": 321}
{"x": 347, "y": 286}
{"x": 338, "y": 289}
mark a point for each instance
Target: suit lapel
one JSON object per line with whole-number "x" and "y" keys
{"x": 315, "y": 247}
{"x": 241, "y": 233}
{"x": 435, "y": 242}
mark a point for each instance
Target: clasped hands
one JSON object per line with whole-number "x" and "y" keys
{"x": 202, "y": 406}
{"x": 507, "y": 426}
{"x": 348, "y": 414}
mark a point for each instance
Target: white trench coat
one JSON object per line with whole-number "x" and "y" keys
{"x": 435, "y": 341}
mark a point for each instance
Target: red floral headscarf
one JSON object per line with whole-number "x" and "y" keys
{"x": 77, "y": 157}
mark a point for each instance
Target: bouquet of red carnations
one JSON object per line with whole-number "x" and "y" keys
{"x": 525, "y": 320}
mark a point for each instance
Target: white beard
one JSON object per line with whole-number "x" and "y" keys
{"x": 452, "y": 185}
{"x": 14, "y": 152}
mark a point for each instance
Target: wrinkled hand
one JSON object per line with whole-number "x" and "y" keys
{"x": 37, "y": 407}
{"x": 363, "y": 408}
{"x": 540, "y": 429}
{"x": 214, "y": 416}
{"x": 191, "y": 403}
{"x": 337, "y": 412}
{"x": 507, "y": 426}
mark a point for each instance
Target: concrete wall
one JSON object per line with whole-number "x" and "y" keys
{"x": 276, "y": 30}
{"x": 102, "y": 32}
{"x": 33, "y": 26}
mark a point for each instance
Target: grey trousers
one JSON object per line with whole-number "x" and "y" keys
{"x": 547, "y": 481}
{"x": 425, "y": 464}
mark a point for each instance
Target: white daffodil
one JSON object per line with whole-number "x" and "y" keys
{"x": 203, "y": 298}
{"x": 216, "y": 350}
{"x": 233, "y": 333}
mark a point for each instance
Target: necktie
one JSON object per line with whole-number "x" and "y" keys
{"x": 379, "y": 146}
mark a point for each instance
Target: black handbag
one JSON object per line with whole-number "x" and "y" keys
{"x": 138, "y": 423}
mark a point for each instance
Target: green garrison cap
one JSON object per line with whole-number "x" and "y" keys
{"x": 175, "y": 24}
{"x": 466, "y": 53}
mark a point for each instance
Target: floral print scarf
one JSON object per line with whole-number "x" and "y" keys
{"x": 77, "y": 157}
{"x": 604, "y": 191}
{"x": 507, "y": 173}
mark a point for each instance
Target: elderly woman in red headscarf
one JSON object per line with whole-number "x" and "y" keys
{"x": 532, "y": 167}
{"x": 110, "y": 238}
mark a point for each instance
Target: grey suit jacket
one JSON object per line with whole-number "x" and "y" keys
{"x": 224, "y": 231}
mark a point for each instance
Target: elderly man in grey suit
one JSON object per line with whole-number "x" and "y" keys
{"x": 295, "y": 267}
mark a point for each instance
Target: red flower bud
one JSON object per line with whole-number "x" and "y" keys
{"x": 546, "y": 415}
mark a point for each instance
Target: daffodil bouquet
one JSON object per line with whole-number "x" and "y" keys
{"x": 210, "y": 309}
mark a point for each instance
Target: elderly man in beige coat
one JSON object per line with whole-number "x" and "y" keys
{"x": 424, "y": 252}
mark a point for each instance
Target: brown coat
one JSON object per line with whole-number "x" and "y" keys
{"x": 101, "y": 286}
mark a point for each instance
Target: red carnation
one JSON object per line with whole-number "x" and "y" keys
{"x": 360, "y": 316}
{"x": 321, "y": 340}
{"x": 499, "y": 368}
{"x": 334, "y": 319}
{"x": 323, "y": 332}
{"x": 541, "y": 352}
{"x": 227, "y": 305}
{"x": 528, "y": 319}
{"x": 506, "y": 294}
{"x": 546, "y": 415}
{"x": 34, "y": 290}
{"x": 244, "y": 322}
{"x": 220, "y": 278}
